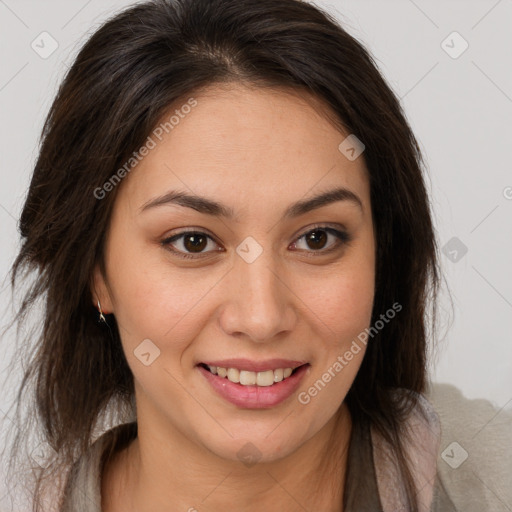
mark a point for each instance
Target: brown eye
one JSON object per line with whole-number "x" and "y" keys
{"x": 317, "y": 240}
{"x": 195, "y": 242}
{"x": 190, "y": 244}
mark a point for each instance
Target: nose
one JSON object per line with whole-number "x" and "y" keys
{"x": 258, "y": 301}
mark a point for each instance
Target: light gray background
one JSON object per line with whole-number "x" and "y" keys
{"x": 460, "y": 109}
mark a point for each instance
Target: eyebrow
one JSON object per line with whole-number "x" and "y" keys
{"x": 211, "y": 207}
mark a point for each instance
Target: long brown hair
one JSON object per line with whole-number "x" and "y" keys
{"x": 120, "y": 85}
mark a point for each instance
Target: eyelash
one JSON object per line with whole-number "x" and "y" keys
{"x": 343, "y": 239}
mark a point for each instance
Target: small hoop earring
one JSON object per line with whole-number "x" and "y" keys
{"x": 102, "y": 317}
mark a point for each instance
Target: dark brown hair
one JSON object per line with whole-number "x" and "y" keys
{"x": 124, "y": 79}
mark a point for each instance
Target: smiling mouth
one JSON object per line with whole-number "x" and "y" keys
{"x": 265, "y": 378}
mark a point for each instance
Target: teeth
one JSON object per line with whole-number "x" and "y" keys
{"x": 246, "y": 378}
{"x": 265, "y": 378}
{"x": 234, "y": 375}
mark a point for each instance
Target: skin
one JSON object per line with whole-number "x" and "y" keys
{"x": 256, "y": 151}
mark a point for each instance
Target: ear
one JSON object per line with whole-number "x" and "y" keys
{"x": 100, "y": 291}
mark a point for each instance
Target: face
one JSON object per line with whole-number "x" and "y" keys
{"x": 252, "y": 280}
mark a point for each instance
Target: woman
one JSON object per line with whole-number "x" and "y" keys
{"x": 233, "y": 240}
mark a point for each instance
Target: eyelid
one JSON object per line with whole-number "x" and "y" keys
{"x": 188, "y": 231}
{"x": 326, "y": 227}
{"x": 340, "y": 232}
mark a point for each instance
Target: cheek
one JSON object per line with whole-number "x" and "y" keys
{"x": 343, "y": 313}
{"x": 341, "y": 309}
{"x": 155, "y": 301}
{"x": 341, "y": 299}
{"x": 342, "y": 303}
{"x": 340, "y": 315}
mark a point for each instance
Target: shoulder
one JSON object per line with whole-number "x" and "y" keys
{"x": 421, "y": 438}
{"x": 460, "y": 452}
{"x": 83, "y": 487}
{"x": 474, "y": 461}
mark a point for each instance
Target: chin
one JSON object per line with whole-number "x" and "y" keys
{"x": 258, "y": 447}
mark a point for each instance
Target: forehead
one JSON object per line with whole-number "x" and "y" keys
{"x": 246, "y": 146}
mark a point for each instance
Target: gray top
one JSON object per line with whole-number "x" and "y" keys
{"x": 461, "y": 451}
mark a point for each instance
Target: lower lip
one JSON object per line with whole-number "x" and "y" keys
{"x": 255, "y": 397}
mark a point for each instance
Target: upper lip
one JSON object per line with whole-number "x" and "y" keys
{"x": 255, "y": 366}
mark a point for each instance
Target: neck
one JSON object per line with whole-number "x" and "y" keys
{"x": 152, "y": 470}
